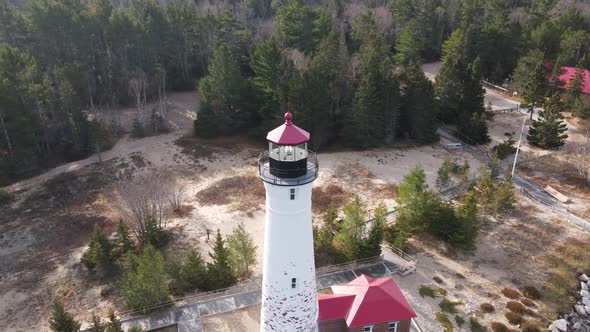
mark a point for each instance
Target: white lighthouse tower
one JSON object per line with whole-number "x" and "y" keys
{"x": 289, "y": 294}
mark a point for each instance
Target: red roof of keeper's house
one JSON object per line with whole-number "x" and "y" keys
{"x": 288, "y": 133}
{"x": 366, "y": 301}
{"x": 569, "y": 73}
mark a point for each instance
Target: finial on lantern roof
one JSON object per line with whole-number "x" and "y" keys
{"x": 288, "y": 118}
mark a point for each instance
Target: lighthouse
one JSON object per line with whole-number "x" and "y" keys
{"x": 289, "y": 294}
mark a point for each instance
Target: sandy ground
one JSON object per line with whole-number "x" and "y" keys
{"x": 36, "y": 268}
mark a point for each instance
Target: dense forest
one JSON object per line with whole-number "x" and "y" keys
{"x": 349, "y": 70}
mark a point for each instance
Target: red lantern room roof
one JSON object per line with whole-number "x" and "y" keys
{"x": 288, "y": 133}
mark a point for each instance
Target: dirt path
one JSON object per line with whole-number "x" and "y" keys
{"x": 181, "y": 113}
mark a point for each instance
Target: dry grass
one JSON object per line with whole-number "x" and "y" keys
{"x": 330, "y": 196}
{"x": 244, "y": 192}
{"x": 532, "y": 326}
{"x": 386, "y": 190}
{"x": 569, "y": 259}
{"x": 511, "y": 293}
{"x": 531, "y": 292}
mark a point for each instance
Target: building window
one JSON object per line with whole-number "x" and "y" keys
{"x": 368, "y": 328}
{"x": 392, "y": 327}
{"x": 293, "y": 282}
{"x": 292, "y": 194}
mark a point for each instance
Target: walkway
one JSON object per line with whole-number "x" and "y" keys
{"x": 188, "y": 317}
{"x": 529, "y": 188}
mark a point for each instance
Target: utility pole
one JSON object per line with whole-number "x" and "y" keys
{"x": 518, "y": 147}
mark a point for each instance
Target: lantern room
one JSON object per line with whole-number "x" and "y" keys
{"x": 288, "y": 160}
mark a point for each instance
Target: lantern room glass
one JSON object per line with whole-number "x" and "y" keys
{"x": 287, "y": 152}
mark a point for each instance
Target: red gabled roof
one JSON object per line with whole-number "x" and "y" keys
{"x": 288, "y": 133}
{"x": 569, "y": 73}
{"x": 375, "y": 301}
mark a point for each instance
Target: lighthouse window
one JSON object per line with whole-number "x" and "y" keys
{"x": 368, "y": 328}
{"x": 292, "y": 194}
{"x": 293, "y": 282}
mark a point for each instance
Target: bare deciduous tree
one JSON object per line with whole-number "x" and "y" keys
{"x": 580, "y": 158}
{"x": 149, "y": 196}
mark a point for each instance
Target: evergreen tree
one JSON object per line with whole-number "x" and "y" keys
{"x": 505, "y": 198}
{"x": 467, "y": 215}
{"x": 407, "y": 47}
{"x": 419, "y": 106}
{"x": 549, "y": 131}
{"x": 351, "y": 238}
{"x": 573, "y": 96}
{"x": 323, "y": 246}
{"x": 376, "y": 232}
{"x": 220, "y": 271}
{"x": 301, "y": 25}
{"x": 99, "y": 252}
{"x": 330, "y": 217}
{"x": 487, "y": 194}
{"x": 144, "y": 279}
{"x": 61, "y": 320}
{"x": 443, "y": 177}
{"x": 193, "y": 273}
{"x": 535, "y": 88}
{"x": 123, "y": 243}
{"x": 415, "y": 202}
{"x": 242, "y": 251}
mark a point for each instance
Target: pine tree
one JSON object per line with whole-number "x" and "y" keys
{"x": 419, "y": 106}
{"x": 193, "y": 273}
{"x": 350, "y": 239}
{"x": 487, "y": 194}
{"x": 549, "y": 131}
{"x": 408, "y": 46}
{"x": 220, "y": 271}
{"x": 144, "y": 279}
{"x": 467, "y": 214}
{"x": 330, "y": 217}
{"x": 99, "y": 252}
{"x": 61, "y": 320}
{"x": 505, "y": 198}
{"x": 535, "y": 87}
{"x": 376, "y": 234}
{"x": 573, "y": 96}
{"x": 242, "y": 251}
{"x": 443, "y": 178}
{"x": 323, "y": 246}
{"x": 415, "y": 202}
{"x": 123, "y": 243}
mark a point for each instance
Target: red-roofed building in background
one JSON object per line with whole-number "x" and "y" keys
{"x": 365, "y": 305}
{"x": 568, "y": 75}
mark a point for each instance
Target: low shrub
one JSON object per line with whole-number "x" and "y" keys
{"x": 5, "y": 197}
{"x": 444, "y": 321}
{"x": 504, "y": 149}
{"x": 499, "y": 327}
{"x": 513, "y": 318}
{"x": 511, "y": 293}
{"x": 516, "y": 307}
{"x": 459, "y": 320}
{"x": 476, "y": 325}
{"x": 528, "y": 302}
{"x": 438, "y": 280}
{"x": 531, "y": 326}
{"x": 329, "y": 196}
{"x": 447, "y": 305}
{"x": 487, "y": 307}
{"x": 431, "y": 292}
{"x": 531, "y": 292}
